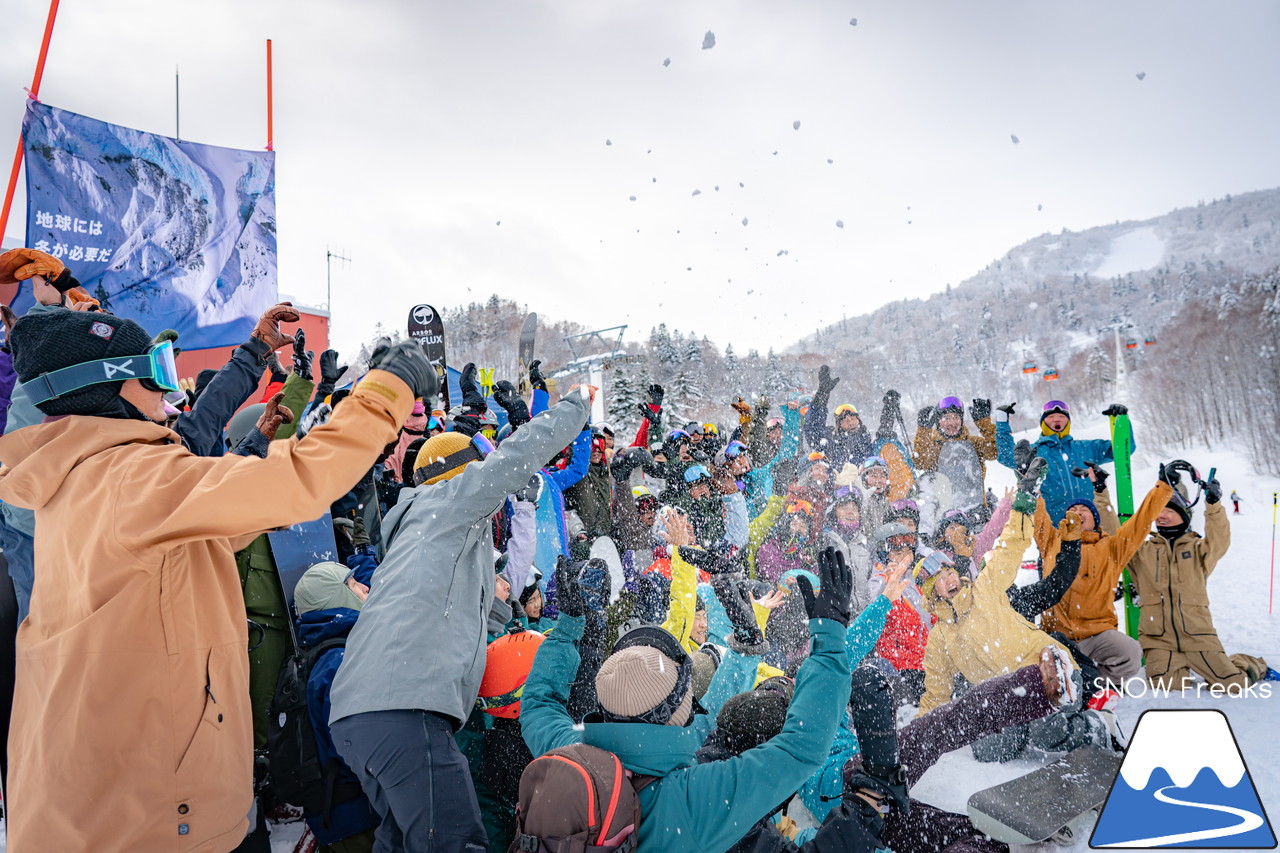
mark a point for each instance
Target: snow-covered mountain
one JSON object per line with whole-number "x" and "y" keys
{"x": 1183, "y": 743}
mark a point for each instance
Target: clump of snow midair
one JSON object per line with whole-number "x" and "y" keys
{"x": 744, "y": 221}
{"x": 697, "y": 192}
{"x": 608, "y": 142}
{"x": 709, "y": 40}
{"x": 1014, "y": 138}
{"x": 795, "y": 125}
{"x": 666, "y": 62}
{"x": 839, "y": 223}
{"x": 853, "y": 22}
{"x": 1141, "y": 75}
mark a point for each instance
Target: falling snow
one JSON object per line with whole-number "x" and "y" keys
{"x": 709, "y": 40}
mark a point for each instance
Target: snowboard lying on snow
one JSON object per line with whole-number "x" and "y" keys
{"x": 1059, "y": 801}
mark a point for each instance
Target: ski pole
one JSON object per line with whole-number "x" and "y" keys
{"x": 1271, "y": 592}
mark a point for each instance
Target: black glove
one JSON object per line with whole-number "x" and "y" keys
{"x": 1007, "y": 408}
{"x": 329, "y": 370}
{"x": 833, "y": 600}
{"x": 504, "y": 394}
{"x": 1169, "y": 474}
{"x": 891, "y": 397}
{"x": 981, "y": 408}
{"x": 736, "y": 598}
{"x": 277, "y": 370}
{"x": 709, "y": 562}
{"x": 655, "y": 395}
{"x": 1212, "y": 491}
{"x": 536, "y": 379}
{"x": 1031, "y": 477}
{"x": 927, "y": 417}
{"x": 302, "y": 358}
{"x": 654, "y": 415}
{"x": 531, "y": 490}
{"x": 1115, "y": 409}
{"x": 1100, "y": 484}
{"x": 784, "y": 474}
{"x": 472, "y": 400}
{"x": 825, "y": 383}
{"x": 406, "y": 361}
{"x": 627, "y": 461}
{"x": 1023, "y": 452}
{"x": 569, "y": 598}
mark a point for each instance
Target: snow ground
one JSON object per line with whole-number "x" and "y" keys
{"x": 1238, "y": 591}
{"x": 1140, "y": 249}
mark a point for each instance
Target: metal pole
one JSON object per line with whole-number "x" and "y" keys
{"x": 328, "y": 284}
{"x": 177, "y": 106}
{"x": 1272, "y": 592}
{"x": 270, "y": 132}
{"x": 34, "y": 94}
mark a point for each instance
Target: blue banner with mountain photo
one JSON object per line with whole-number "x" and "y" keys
{"x": 172, "y": 234}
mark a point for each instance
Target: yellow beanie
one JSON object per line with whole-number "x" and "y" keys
{"x": 436, "y": 450}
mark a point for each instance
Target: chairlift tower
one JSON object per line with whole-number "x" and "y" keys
{"x": 593, "y": 353}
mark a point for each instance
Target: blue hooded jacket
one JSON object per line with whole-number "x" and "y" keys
{"x": 1060, "y": 487}
{"x": 354, "y": 815}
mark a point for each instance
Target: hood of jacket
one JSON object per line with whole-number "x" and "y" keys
{"x": 38, "y": 459}
{"x": 646, "y": 749}
{"x": 955, "y": 608}
{"x": 320, "y": 625}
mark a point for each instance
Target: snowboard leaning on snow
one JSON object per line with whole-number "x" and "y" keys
{"x": 1059, "y": 801}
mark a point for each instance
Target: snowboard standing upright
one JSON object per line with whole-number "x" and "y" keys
{"x": 1120, "y": 437}
{"x": 525, "y": 354}
{"x": 426, "y": 329}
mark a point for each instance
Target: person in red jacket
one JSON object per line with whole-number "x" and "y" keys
{"x": 900, "y": 650}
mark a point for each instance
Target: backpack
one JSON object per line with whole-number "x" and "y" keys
{"x": 297, "y": 775}
{"x": 577, "y": 799}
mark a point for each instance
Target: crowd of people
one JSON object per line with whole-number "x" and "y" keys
{"x": 548, "y": 637}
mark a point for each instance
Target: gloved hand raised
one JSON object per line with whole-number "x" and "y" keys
{"x": 505, "y": 395}
{"x": 472, "y": 400}
{"x": 569, "y": 597}
{"x": 627, "y": 460}
{"x": 826, "y": 384}
{"x": 1212, "y": 491}
{"x": 747, "y": 637}
{"x": 1070, "y": 527}
{"x": 536, "y": 380}
{"x": 267, "y": 329}
{"x": 980, "y": 409}
{"x": 407, "y": 362}
{"x": 927, "y": 417}
{"x": 302, "y": 358}
{"x": 329, "y": 370}
{"x": 274, "y": 416}
{"x": 833, "y": 599}
{"x": 1115, "y": 409}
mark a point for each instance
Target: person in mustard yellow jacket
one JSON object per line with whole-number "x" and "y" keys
{"x": 131, "y": 721}
{"x": 1086, "y": 613}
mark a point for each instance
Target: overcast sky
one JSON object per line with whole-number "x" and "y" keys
{"x": 407, "y": 131}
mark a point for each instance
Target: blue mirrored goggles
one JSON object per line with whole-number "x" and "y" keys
{"x": 157, "y": 369}
{"x": 734, "y": 449}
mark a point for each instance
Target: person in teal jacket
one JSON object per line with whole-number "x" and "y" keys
{"x": 692, "y": 808}
{"x": 759, "y": 479}
{"x": 1060, "y": 488}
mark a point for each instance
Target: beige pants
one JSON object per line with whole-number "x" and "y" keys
{"x": 1117, "y": 655}
{"x": 1167, "y": 669}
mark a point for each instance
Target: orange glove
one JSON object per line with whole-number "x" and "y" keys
{"x": 21, "y": 264}
{"x": 78, "y": 299}
{"x": 1069, "y": 527}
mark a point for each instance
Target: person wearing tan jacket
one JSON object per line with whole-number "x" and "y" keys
{"x": 944, "y": 444}
{"x": 1086, "y": 613}
{"x": 131, "y": 726}
{"x": 1171, "y": 569}
{"x": 978, "y": 635}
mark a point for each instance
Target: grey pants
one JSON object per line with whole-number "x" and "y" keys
{"x": 415, "y": 778}
{"x": 1117, "y": 655}
{"x": 1071, "y": 727}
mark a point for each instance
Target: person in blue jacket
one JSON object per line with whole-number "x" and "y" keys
{"x": 646, "y": 702}
{"x": 328, "y": 599}
{"x": 1062, "y": 453}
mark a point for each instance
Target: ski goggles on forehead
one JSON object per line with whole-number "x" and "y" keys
{"x": 874, "y": 462}
{"x": 848, "y": 493}
{"x": 734, "y": 449}
{"x": 954, "y": 516}
{"x": 157, "y": 369}
{"x": 678, "y": 435}
{"x": 905, "y": 503}
{"x": 950, "y": 404}
{"x": 846, "y": 409}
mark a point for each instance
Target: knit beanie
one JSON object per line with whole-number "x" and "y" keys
{"x": 324, "y": 587}
{"x": 704, "y": 669}
{"x": 436, "y": 449}
{"x": 1092, "y": 507}
{"x": 749, "y": 719}
{"x": 637, "y": 679}
{"x": 45, "y": 341}
{"x": 507, "y": 663}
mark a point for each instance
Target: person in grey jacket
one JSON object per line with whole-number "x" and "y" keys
{"x": 412, "y": 667}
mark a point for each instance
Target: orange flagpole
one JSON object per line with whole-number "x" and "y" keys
{"x": 33, "y": 93}
{"x": 270, "y": 135}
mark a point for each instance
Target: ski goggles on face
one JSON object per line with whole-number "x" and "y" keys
{"x": 953, "y": 516}
{"x": 905, "y": 504}
{"x": 475, "y": 451}
{"x": 734, "y": 449}
{"x": 846, "y": 409}
{"x": 678, "y": 435}
{"x": 874, "y": 462}
{"x": 1056, "y": 407}
{"x": 930, "y": 566}
{"x": 950, "y": 404}
{"x": 847, "y": 493}
{"x": 157, "y": 370}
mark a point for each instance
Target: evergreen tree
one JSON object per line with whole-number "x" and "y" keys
{"x": 628, "y": 384}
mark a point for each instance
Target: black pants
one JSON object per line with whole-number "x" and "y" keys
{"x": 415, "y": 778}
